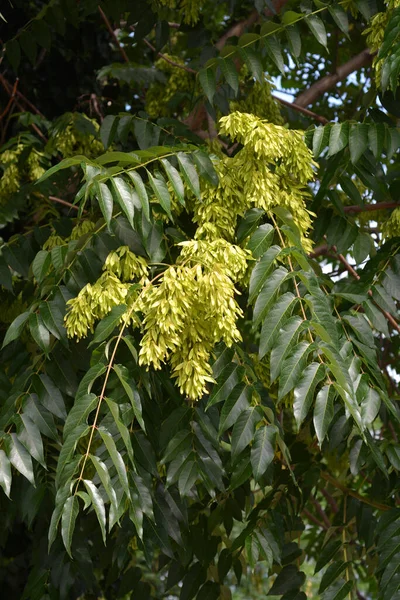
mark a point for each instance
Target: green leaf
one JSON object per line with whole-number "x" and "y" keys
{"x": 104, "y": 476}
{"x": 244, "y": 428}
{"x": 189, "y": 173}
{"x": 261, "y": 271}
{"x": 13, "y": 52}
{"x": 175, "y": 180}
{"x": 317, "y": 28}
{"x": 205, "y": 167}
{"x": 252, "y": 60}
{"x": 79, "y": 413}
{"x": 376, "y": 317}
{"x": 39, "y": 332}
{"x": 68, "y": 449}
{"x": 305, "y": 389}
{"x": 288, "y": 336}
{"x": 362, "y": 247}
{"x": 98, "y": 506}
{"x": 192, "y": 581}
{"x": 105, "y": 199}
{"x": 207, "y": 82}
{"x": 15, "y": 329}
{"x": 331, "y": 574}
{"x": 122, "y": 428}
{"x": 41, "y": 417}
{"x": 340, "y": 17}
{"x": 53, "y": 320}
{"x": 327, "y": 553}
{"x": 30, "y": 437}
{"x": 261, "y": 240}
{"x": 288, "y": 579}
{"x": 108, "y": 130}
{"x": 41, "y": 264}
{"x": 376, "y": 139}
{"x": 320, "y": 139}
{"x": 141, "y": 192}
{"x": 238, "y": 400}
{"x": 187, "y": 477}
{"x": 5, "y": 473}
{"x": 268, "y": 294}
{"x": 229, "y": 378}
{"x": 107, "y": 325}
{"x": 50, "y": 396}
{"x": 161, "y": 192}
{"x": 382, "y": 299}
{"x": 338, "y": 138}
{"x": 230, "y": 73}
{"x": 339, "y": 591}
{"x": 61, "y": 497}
{"x": 358, "y": 141}
{"x": 349, "y": 187}
{"x": 263, "y": 450}
{"x": 274, "y": 321}
{"x": 131, "y": 391}
{"x": 323, "y": 411}
{"x": 275, "y": 51}
{"x": 116, "y": 459}
{"x": 68, "y": 520}
{"x": 294, "y": 40}
{"x": 125, "y": 197}
{"x": 20, "y": 458}
{"x": 293, "y": 367}
{"x": 66, "y": 163}
{"x": 248, "y": 223}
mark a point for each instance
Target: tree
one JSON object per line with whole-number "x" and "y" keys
{"x": 199, "y": 299}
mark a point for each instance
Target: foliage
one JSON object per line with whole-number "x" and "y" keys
{"x": 200, "y": 325}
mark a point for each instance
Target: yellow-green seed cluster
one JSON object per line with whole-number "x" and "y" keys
{"x": 375, "y": 36}
{"x": 122, "y": 267}
{"x": 259, "y": 102}
{"x": 191, "y": 309}
{"x": 14, "y": 174}
{"x": 159, "y": 95}
{"x": 272, "y": 169}
{"x": 391, "y": 227}
{"x": 70, "y": 141}
{"x": 189, "y": 9}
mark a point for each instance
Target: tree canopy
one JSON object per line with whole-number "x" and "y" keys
{"x": 199, "y": 299}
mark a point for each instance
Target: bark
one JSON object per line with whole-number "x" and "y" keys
{"x": 329, "y": 81}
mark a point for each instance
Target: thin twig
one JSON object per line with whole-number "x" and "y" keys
{"x": 113, "y": 35}
{"x": 337, "y": 484}
{"x": 8, "y": 87}
{"x": 301, "y": 109}
{"x": 63, "y": 202}
{"x": 321, "y": 512}
{"x": 11, "y": 100}
{"x": 356, "y": 276}
{"x": 331, "y": 500}
{"x": 314, "y": 519}
{"x": 167, "y": 59}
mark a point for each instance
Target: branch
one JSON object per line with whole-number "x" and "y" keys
{"x": 371, "y": 207}
{"x": 356, "y": 276}
{"x": 337, "y": 484}
{"x": 112, "y": 33}
{"x": 168, "y": 60}
{"x": 304, "y": 111}
{"x": 8, "y": 87}
{"x": 11, "y": 100}
{"x": 63, "y": 202}
{"x": 329, "y": 81}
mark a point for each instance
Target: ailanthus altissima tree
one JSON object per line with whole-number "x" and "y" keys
{"x": 199, "y": 287}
